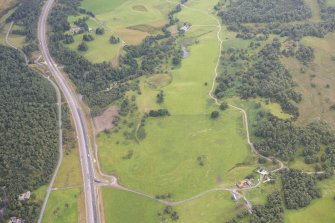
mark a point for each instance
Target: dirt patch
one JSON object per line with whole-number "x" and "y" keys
{"x": 105, "y": 120}
{"x": 130, "y": 36}
{"x": 140, "y": 8}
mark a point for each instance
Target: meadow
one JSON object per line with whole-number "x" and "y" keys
{"x": 167, "y": 157}
{"x": 212, "y": 208}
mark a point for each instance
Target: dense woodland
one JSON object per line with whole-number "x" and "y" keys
{"x": 277, "y": 17}
{"x": 94, "y": 80}
{"x": 299, "y": 189}
{"x": 28, "y": 135}
{"x": 258, "y": 11}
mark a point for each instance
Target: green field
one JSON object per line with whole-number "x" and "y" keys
{"x": 331, "y": 2}
{"x": 167, "y": 157}
{"x": 63, "y": 206}
{"x": 132, "y": 21}
{"x": 121, "y": 206}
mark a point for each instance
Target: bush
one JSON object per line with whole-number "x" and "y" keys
{"x": 114, "y": 40}
{"x": 100, "y": 31}
{"x": 215, "y": 115}
{"x": 224, "y": 106}
{"x": 83, "y": 47}
{"x": 88, "y": 37}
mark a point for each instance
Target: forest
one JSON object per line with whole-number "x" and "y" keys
{"x": 258, "y": 11}
{"x": 299, "y": 189}
{"x": 28, "y": 135}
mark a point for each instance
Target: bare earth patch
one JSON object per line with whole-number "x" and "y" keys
{"x": 105, "y": 120}
{"x": 140, "y": 8}
{"x": 130, "y": 36}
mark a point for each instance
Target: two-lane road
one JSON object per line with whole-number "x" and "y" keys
{"x": 92, "y": 215}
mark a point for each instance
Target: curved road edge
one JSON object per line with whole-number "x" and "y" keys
{"x": 89, "y": 189}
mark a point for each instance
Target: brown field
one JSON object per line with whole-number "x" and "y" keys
{"x": 4, "y": 4}
{"x": 105, "y": 120}
{"x": 317, "y": 83}
{"x": 140, "y": 8}
{"x": 130, "y": 36}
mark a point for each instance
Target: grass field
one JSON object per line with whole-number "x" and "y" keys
{"x": 66, "y": 203}
{"x": 121, "y": 206}
{"x": 331, "y": 2}
{"x": 63, "y": 206}
{"x": 166, "y": 160}
{"x": 132, "y": 21}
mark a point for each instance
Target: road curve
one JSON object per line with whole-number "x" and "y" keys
{"x": 89, "y": 189}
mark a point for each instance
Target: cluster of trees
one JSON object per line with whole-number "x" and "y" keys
{"x": 299, "y": 189}
{"x": 28, "y": 134}
{"x": 281, "y": 138}
{"x": 26, "y": 16}
{"x": 259, "y": 11}
{"x": 168, "y": 213}
{"x": 270, "y": 212}
{"x": 159, "y": 113}
{"x": 305, "y": 53}
{"x": 266, "y": 78}
{"x": 276, "y": 15}
{"x": 160, "y": 97}
{"x": 114, "y": 40}
{"x": 92, "y": 80}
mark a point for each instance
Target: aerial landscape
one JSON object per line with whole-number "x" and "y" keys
{"x": 151, "y": 111}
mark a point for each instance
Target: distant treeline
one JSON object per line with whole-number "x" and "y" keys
{"x": 28, "y": 135}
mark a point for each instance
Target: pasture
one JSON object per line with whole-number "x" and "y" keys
{"x": 63, "y": 206}
{"x": 166, "y": 161}
{"x": 121, "y": 206}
